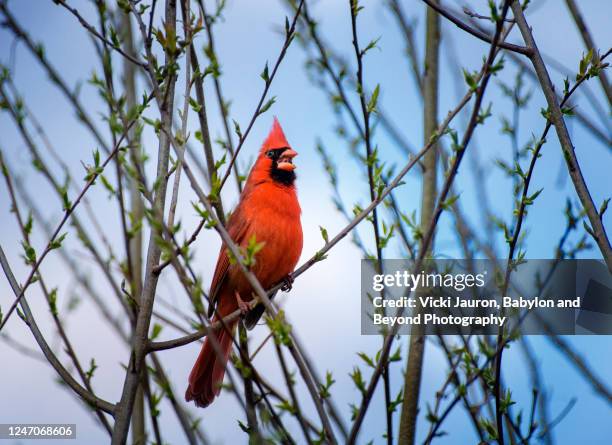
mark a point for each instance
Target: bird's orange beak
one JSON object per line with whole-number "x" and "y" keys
{"x": 285, "y": 161}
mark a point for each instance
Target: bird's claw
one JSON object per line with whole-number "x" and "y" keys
{"x": 287, "y": 283}
{"x": 244, "y": 307}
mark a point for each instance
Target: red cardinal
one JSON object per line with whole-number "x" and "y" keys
{"x": 269, "y": 210}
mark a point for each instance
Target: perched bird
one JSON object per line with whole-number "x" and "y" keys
{"x": 268, "y": 211}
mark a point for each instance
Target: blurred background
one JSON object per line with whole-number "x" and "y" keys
{"x": 323, "y": 306}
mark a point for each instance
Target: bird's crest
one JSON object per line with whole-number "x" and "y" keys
{"x": 276, "y": 138}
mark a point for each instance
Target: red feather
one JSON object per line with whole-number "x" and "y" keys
{"x": 276, "y": 138}
{"x": 269, "y": 211}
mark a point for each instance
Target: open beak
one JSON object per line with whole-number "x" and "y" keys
{"x": 285, "y": 161}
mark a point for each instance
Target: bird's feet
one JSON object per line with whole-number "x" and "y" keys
{"x": 244, "y": 307}
{"x": 287, "y": 283}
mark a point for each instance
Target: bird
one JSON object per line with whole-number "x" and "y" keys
{"x": 268, "y": 212}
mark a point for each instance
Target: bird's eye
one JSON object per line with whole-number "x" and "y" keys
{"x": 270, "y": 154}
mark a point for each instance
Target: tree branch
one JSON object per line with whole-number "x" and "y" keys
{"x": 96, "y": 34}
{"x": 289, "y": 35}
{"x": 475, "y": 32}
{"x": 416, "y": 349}
{"x": 597, "y": 228}
{"x": 46, "y": 349}
{"x": 590, "y": 45}
{"x": 67, "y": 212}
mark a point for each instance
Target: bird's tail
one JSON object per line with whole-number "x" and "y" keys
{"x": 207, "y": 374}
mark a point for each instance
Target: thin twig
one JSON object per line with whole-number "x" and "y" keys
{"x": 289, "y": 35}
{"x": 475, "y": 32}
{"x": 451, "y": 174}
{"x": 67, "y": 213}
{"x": 597, "y": 228}
{"x": 39, "y": 54}
{"x": 93, "y": 31}
{"x": 46, "y": 350}
{"x": 371, "y": 163}
{"x": 590, "y": 45}
{"x": 223, "y": 106}
{"x": 58, "y": 323}
{"x": 580, "y": 115}
{"x": 411, "y": 47}
{"x": 46, "y": 171}
{"x": 186, "y": 9}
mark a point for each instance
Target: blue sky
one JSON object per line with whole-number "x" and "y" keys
{"x": 324, "y": 304}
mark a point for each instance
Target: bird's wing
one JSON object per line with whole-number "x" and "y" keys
{"x": 237, "y": 227}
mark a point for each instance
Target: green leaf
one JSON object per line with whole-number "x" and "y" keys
{"x": 244, "y": 427}
{"x": 584, "y": 62}
{"x": 530, "y": 199}
{"x": 53, "y": 301}
{"x": 156, "y": 330}
{"x": 195, "y": 106}
{"x": 357, "y": 378}
{"x": 470, "y": 79}
{"x": 329, "y": 381}
{"x": 462, "y": 390}
{"x": 280, "y": 328}
{"x": 396, "y": 357}
{"x": 494, "y": 14}
{"x": 220, "y": 162}
{"x": 267, "y": 105}
{"x": 604, "y": 207}
{"x": 363, "y": 356}
{"x": 489, "y": 428}
{"x": 588, "y": 229}
{"x": 27, "y": 228}
{"x": 319, "y": 256}
{"x": 107, "y": 185}
{"x": 67, "y": 204}
{"x": 253, "y": 247}
{"x": 371, "y": 45}
{"x": 57, "y": 243}
{"x": 448, "y": 203}
{"x": 568, "y": 111}
{"x": 284, "y": 405}
{"x": 483, "y": 114}
{"x": 21, "y": 314}
{"x": 92, "y": 368}
{"x": 264, "y": 74}
{"x": 324, "y": 234}
{"x": 431, "y": 416}
{"x": 373, "y": 99}
{"x": 237, "y": 129}
{"x": 30, "y": 253}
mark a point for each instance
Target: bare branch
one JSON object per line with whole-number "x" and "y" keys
{"x": 38, "y": 52}
{"x": 599, "y": 232}
{"x": 93, "y": 31}
{"x": 475, "y": 32}
{"x": 165, "y": 103}
{"x": 590, "y": 45}
{"x": 46, "y": 349}
{"x": 289, "y": 35}
{"x": 416, "y": 349}
{"x": 68, "y": 211}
